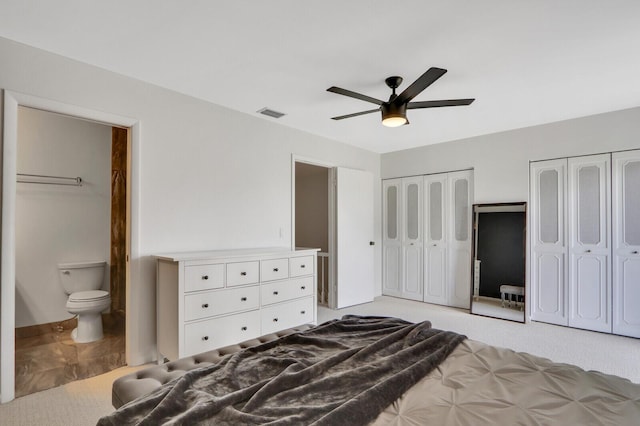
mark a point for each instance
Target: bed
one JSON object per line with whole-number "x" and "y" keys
{"x": 371, "y": 370}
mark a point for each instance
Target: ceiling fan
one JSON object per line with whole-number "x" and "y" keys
{"x": 394, "y": 111}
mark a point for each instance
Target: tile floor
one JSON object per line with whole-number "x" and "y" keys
{"x": 47, "y": 357}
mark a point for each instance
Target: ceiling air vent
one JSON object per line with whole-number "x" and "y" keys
{"x": 270, "y": 113}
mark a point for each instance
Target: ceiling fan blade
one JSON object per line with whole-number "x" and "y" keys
{"x": 355, "y": 114}
{"x": 351, "y": 94}
{"x": 436, "y": 104}
{"x": 424, "y": 81}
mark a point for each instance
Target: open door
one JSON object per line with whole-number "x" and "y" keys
{"x": 353, "y": 231}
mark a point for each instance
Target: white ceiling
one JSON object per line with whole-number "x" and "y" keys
{"x": 526, "y": 62}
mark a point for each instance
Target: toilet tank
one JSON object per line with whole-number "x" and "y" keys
{"x": 81, "y": 276}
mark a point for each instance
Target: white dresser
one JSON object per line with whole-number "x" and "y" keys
{"x": 206, "y": 300}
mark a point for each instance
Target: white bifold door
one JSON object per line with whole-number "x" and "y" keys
{"x": 589, "y": 242}
{"x": 402, "y": 239}
{"x": 548, "y": 241}
{"x": 436, "y": 249}
{"x": 626, "y": 243}
{"x": 585, "y": 238}
{"x": 392, "y": 237}
{"x": 447, "y": 265}
{"x": 427, "y": 238}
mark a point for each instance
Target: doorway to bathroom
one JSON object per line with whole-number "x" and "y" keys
{"x": 71, "y": 207}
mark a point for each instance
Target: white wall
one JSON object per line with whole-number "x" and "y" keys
{"x": 57, "y": 224}
{"x": 501, "y": 160}
{"x": 210, "y": 177}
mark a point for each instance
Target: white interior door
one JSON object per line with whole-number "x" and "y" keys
{"x": 354, "y": 232}
{"x": 435, "y": 247}
{"x": 589, "y": 243}
{"x": 459, "y": 273}
{"x": 392, "y": 237}
{"x": 626, "y": 243}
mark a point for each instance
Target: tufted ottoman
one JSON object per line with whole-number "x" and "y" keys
{"x": 129, "y": 387}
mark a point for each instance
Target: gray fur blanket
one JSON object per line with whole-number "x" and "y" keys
{"x": 341, "y": 372}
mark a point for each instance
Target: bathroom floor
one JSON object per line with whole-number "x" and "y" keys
{"x": 47, "y": 357}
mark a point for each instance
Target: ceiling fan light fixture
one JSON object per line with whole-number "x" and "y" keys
{"x": 394, "y": 115}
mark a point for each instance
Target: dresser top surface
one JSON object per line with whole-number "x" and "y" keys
{"x": 235, "y": 253}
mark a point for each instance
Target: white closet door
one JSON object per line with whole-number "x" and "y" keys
{"x": 435, "y": 246}
{"x": 626, "y": 243}
{"x": 392, "y": 237}
{"x": 459, "y": 271}
{"x": 548, "y": 241}
{"x": 589, "y": 242}
{"x": 412, "y": 238}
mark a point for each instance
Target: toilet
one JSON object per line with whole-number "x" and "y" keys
{"x": 82, "y": 282}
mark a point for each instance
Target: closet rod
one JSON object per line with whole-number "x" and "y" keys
{"x": 77, "y": 181}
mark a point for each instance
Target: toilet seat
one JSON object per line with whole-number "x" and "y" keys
{"x": 89, "y": 296}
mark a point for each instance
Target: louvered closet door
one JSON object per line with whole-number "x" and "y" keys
{"x": 435, "y": 243}
{"x": 460, "y": 191}
{"x": 548, "y": 242}
{"x": 412, "y": 239}
{"x": 626, "y": 243}
{"x": 589, "y": 242}
{"x": 392, "y": 237}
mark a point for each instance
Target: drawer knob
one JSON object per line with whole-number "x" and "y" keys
{"x": 205, "y": 305}
{"x": 303, "y": 312}
{"x": 303, "y": 287}
{"x": 275, "y": 293}
{"x": 275, "y": 269}
{"x": 634, "y": 252}
{"x": 244, "y": 274}
{"x": 205, "y": 338}
{"x": 243, "y": 299}
{"x": 275, "y": 320}
{"x": 205, "y": 277}
{"x": 303, "y": 266}
{"x": 244, "y": 329}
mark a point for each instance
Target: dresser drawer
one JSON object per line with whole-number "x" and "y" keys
{"x": 286, "y": 315}
{"x": 243, "y": 273}
{"x": 215, "y": 333}
{"x": 203, "y": 277}
{"x": 302, "y": 265}
{"x": 282, "y": 291}
{"x": 210, "y": 303}
{"x": 274, "y": 269}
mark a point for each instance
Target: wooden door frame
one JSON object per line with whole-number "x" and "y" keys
{"x": 11, "y": 102}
